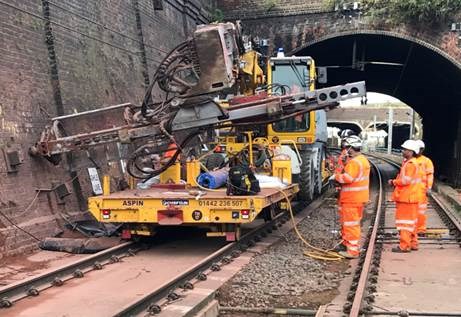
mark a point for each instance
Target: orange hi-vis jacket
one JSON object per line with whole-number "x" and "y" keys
{"x": 427, "y": 170}
{"x": 355, "y": 181}
{"x": 408, "y": 184}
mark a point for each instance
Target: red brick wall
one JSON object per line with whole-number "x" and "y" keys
{"x": 98, "y": 48}
{"x": 245, "y": 9}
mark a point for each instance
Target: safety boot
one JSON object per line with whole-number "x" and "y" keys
{"x": 340, "y": 247}
{"x": 398, "y": 250}
{"x": 347, "y": 255}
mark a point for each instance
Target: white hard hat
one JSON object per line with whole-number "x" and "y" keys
{"x": 411, "y": 145}
{"x": 420, "y": 144}
{"x": 353, "y": 141}
{"x": 345, "y": 133}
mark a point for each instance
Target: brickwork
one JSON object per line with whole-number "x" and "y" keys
{"x": 91, "y": 54}
{"x": 298, "y": 31}
{"x": 295, "y": 24}
{"x": 298, "y": 26}
{"x": 249, "y": 9}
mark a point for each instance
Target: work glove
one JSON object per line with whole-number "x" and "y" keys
{"x": 331, "y": 178}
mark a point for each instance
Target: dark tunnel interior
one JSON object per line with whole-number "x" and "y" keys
{"x": 418, "y": 75}
{"x": 346, "y": 125}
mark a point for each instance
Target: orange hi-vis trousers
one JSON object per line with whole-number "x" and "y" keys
{"x": 405, "y": 221}
{"x": 349, "y": 216}
{"x": 360, "y": 208}
{"x": 421, "y": 217}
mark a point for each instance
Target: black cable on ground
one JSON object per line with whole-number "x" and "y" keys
{"x": 19, "y": 228}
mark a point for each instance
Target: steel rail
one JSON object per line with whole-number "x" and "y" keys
{"x": 363, "y": 280}
{"x": 57, "y": 277}
{"x": 453, "y": 218}
{"x": 148, "y": 303}
{"x": 362, "y": 283}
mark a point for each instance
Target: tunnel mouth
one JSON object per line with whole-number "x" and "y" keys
{"x": 418, "y": 73}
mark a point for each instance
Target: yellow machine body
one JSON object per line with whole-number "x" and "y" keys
{"x": 298, "y": 135}
{"x": 143, "y": 210}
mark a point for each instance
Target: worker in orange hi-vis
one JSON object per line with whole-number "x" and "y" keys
{"x": 354, "y": 193}
{"x": 407, "y": 196}
{"x": 343, "y": 157}
{"x": 427, "y": 173}
{"x": 339, "y": 166}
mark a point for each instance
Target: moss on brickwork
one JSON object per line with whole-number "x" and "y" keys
{"x": 428, "y": 12}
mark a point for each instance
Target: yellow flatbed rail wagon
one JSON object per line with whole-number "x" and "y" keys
{"x": 143, "y": 210}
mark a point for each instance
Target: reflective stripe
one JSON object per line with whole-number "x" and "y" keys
{"x": 351, "y": 223}
{"x": 354, "y": 189}
{"x": 406, "y": 222}
{"x": 406, "y": 179}
{"x": 353, "y": 241}
{"x": 359, "y": 179}
{"x": 353, "y": 248}
{"x": 422, "y": 205}
{"x": 342, "y": 178}
{"x": 360, "y": 176}
{"x": 411, "y": 229}
{"x": 422, "y": 211}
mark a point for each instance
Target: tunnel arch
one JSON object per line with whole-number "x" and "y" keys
{"x": 427, "y": 79}
{"x": 379, "y": 32}
{"x": 343, "y": 124}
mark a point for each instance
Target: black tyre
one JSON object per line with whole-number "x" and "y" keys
{"x": 306, "y": 182}
{"x": 318, "y": 173}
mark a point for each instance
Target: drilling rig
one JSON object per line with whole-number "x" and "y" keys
{"x": 181, "y": 111}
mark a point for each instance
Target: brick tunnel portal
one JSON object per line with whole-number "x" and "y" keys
{"x": 415, "y": 72}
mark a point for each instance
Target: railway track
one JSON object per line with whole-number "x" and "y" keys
{"x": 33, "y": 286}
{"x": 178, "y": 287}
{"x": 64, "y": 291}
{"x": 422, "y": 283}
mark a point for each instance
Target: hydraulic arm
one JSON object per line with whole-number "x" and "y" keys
{"x": 187, "y": 80}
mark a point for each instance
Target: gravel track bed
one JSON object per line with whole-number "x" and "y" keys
{"x": 283, "y": 276}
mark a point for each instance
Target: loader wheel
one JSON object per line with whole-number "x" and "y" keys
{"x": 318, "y": 174}
{"x": 306, "y": 181}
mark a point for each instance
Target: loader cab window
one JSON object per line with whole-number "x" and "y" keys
{"x": 299, "y": 123}
{"x": 294, "y": 76}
